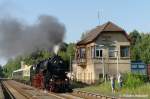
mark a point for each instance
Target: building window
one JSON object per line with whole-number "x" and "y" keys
{"x": 124, "y": 51}
{"x": 82, "y": 52}
{"x": 112, "y": 51}
{"x": 98, "y": 52}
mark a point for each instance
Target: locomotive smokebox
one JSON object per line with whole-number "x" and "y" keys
{"x": 57, "y": 65}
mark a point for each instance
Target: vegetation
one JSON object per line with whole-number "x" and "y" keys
{"x": 133, "y": 85}
{"x": 140, "y": 46}
{"x": 132, "y": 80}
{"x": 11, "y": 65}
{"x": 1, "y": 71}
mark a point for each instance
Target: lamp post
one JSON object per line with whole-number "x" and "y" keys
{"x": 70, "y": 64}
{"x": 117, "y": 53}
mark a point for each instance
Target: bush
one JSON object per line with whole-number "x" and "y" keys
{"x": 134, "y": 80}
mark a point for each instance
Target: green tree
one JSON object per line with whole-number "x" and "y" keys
{"x": 140, "y": 46}
{"x": 1, "y": 71}
{"x": 11, "y": 65}
{"x": 135, "y": 38}
{"x": 71, "y": 50}
{"x": 143, "y": 47}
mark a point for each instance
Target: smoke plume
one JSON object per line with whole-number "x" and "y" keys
{"x": 17, "y": 38}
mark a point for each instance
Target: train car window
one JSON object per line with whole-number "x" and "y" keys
{"x": 141, "y": 66}
{"x": 133, "y": 65}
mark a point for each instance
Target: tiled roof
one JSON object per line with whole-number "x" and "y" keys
{"x": 94, "y": 33}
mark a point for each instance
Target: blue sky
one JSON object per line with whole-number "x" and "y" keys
{"x": 81, "y": 15}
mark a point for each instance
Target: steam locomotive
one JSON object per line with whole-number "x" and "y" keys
{"x": 51, "y": 74}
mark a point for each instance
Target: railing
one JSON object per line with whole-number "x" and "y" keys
{"x": 83, "y": 61}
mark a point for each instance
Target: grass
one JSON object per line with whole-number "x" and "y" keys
{"x": 105, "y": 89}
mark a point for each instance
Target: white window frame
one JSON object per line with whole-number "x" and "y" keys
{"x": 99, "y": 50}
{"x": 127, "y": 53}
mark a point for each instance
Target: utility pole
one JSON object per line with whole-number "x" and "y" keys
{"x": 117, "y": 62}
{"x": 103, "y": 67}
{"x": 70, "y": 64}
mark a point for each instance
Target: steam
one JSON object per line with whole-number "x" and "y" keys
{"x": 56, "y": 49}
{"x": 17, "y": 38}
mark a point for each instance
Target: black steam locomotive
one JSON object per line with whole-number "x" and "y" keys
{"x": 51, "y": 74}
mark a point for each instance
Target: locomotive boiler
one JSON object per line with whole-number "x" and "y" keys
{"x": 51, "y": 74}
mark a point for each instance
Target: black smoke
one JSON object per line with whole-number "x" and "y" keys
{"x": 17, "y": 38}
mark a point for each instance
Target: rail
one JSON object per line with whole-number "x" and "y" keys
{"x": 14, "y": 92}
{"x": 7, "y": 92}
{"x": 89, "y": 95}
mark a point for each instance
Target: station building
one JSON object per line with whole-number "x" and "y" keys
{"x": 105, "y": 50}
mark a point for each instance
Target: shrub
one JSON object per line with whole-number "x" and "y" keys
{"x": 133, "y": 80}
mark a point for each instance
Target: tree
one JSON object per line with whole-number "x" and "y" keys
{"x": 1, "y": 71}
{"x": 71, "y": 49}
{"x": 70, "y": 52}
{"x": 11, "y": 65}
{"x": 134, "y": 36}
{"x": 143, "y": 47}
{"x": 140, "y": 46}
{"x": 135, "y": 39}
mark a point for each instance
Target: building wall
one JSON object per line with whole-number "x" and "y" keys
{"x": 92, "y": 72}
{"x": 94, "y": 67}
{"x": 86, "y": 75}
{"x": 118, "y": 37}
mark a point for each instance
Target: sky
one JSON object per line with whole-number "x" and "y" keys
{"x": 82, "y": 15}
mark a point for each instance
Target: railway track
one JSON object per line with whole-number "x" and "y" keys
{"x": 17, "y": 90}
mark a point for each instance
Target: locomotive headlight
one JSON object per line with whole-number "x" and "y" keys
{"x": 51, "y": 79}
{"x": 66, "y": 79}
{"x": 33, "y": 67}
